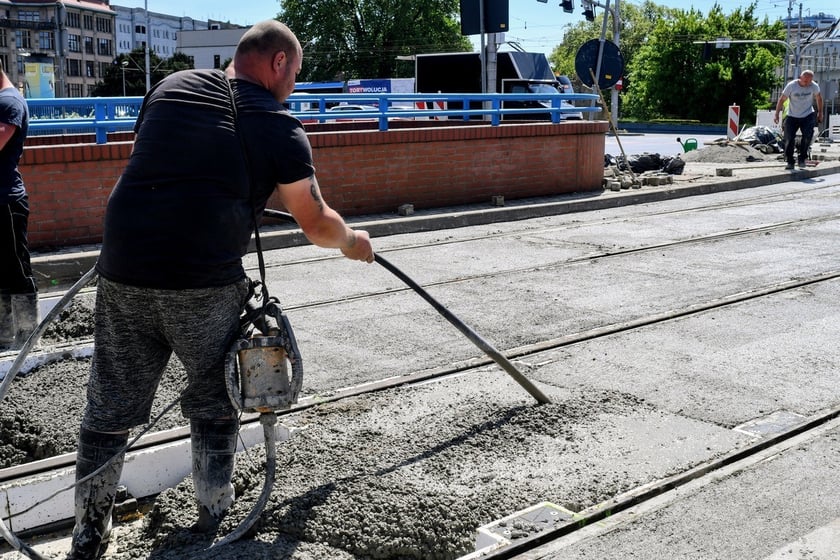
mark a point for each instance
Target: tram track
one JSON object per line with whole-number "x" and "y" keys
{"x": 531, "y": 352}
{"x": 46, "y": 470}
{"x": 577, "y": 224}
{"x": 712, "y": 237}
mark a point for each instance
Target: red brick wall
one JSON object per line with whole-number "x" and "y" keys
{"x": 360, "y": 171}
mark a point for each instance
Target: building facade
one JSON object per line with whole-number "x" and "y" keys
{"x": 135, "y": 27}
{"x": 210, "y": 48}
{"x": 56, "y": 49}
{"x": 64, "y": 48}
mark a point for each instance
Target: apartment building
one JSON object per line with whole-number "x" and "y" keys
{"x": 135, "y": 27}
{"x": 56, "y": 49}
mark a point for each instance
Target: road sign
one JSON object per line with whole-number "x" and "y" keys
{"x": 612, "y": 63}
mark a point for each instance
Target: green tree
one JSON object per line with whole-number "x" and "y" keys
{"x": 637, "y": 22}
{"x": 134, "y": 70}
{"x": 345, "y": 39}
{"x": 669, "y": 77}
{"x": 665, "y": 73}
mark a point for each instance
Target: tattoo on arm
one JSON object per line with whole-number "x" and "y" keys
{"x": 316, "y": 193}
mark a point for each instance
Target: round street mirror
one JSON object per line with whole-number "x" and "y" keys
{"x": 612, "y": 63}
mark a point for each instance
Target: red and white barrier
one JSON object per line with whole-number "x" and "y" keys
{"x": 732, "y": 126}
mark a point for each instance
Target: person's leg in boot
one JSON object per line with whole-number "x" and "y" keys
{"x": 790, "y": 140}
{"x": 808, "y": 124}
{"x": 213, "y": 450}
{"x": 26, "y": 317}
{"x": 95, "y": 497}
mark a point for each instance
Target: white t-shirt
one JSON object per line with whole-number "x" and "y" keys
{"x": 801, "y": 98}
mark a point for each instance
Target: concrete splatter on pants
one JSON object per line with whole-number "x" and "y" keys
{"x": 136, "y": 332}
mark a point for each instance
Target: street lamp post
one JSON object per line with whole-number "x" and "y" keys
{"x": 123, "y": 64}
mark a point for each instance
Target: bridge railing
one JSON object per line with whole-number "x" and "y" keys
{"x": 83, "y": 115}
{"x": 102, "y": 115}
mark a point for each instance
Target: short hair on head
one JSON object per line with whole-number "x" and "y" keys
{"x": 808, "y": 73}
{"x": 266, "y": 38}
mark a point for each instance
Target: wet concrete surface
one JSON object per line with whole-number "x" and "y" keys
{"x": 411, "y": 473}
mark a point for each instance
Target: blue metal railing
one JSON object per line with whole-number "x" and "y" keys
{"x": 83, "y": 115}
{"x": 102, "y": 115}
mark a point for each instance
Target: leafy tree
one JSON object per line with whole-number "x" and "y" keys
{"x": 111, "y": 84}
{"x": 345, "y": 39}
{"x": 637, "y": 22}
{"x": 666, "y": 74}
{"x": 669, "y": 77}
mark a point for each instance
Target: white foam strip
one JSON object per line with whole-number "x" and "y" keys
{"x": 146, "y": 472}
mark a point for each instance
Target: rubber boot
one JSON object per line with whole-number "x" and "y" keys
{"x": 213, "y": 449}
{"x": 95, "y": 497}
{"x": 26, "y": 317}
{"x": 7, "y": 323}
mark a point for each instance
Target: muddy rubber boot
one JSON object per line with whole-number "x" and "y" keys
{"x": 26, "y": 317}
{"x": 7, "y": 323}
{"x": 95, "y": 497}
{"x": 213, "y": 449}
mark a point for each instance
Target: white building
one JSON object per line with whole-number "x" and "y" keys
{"x": 134, "y": 27}
{"x": 209, "y": 48}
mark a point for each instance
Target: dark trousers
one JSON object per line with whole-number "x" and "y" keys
{"x": 15, "y": 268}
{"x": 804, "y": 124}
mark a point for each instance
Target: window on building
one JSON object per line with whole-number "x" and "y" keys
{"x": 74, "y": 90}
{"x": 21, "y": 65}
{"x": 73, "y": 19}
{"x": 88, "y": 21}
{"x": 103, "y": 25}
{"x": 23, "y": 39}
{"x": 29, "y": 15}
{"x": 105, "y": 47}
{"x": 74, "y": 67}
{"x": 90, "y": 69}
{"x": 89, "y": 45}
{"x": 217, "y": 61}
{"x": 74, "y": 43}
{"x": 140, "y": 29}
{"x": 4, "y": 38}
{"x": 103, "y": 68}
{"x": 46, "y": 41}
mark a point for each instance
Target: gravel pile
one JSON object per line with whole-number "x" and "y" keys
{"x": 727, "y": 153}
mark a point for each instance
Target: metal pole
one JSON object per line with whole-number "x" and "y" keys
{"x": 148, "y": 43}
{"x": 616, "y": 33}
{"x": 122, "y": 67}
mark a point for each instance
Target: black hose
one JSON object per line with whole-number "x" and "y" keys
{"x": 268, "y": 421}
{"x": 10, "y": 537}
{"x": 474, "y": 337}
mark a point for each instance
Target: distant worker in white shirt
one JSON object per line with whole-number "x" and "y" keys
{"x": 802, "y": 93}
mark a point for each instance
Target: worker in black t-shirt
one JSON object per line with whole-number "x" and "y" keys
{"x": 18, "y": 290}
{"x": 171, "y": 277}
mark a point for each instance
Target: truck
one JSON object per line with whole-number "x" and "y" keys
{"x": 516, "y": 72}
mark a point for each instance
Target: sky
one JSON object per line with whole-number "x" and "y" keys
{"x": 537, "y": 27}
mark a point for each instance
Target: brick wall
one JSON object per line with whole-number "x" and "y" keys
{"x": 360, "y": 171}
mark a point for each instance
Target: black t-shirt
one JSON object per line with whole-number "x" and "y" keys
{"x": 13, "y": 110}
{"x": 181, "y": 214}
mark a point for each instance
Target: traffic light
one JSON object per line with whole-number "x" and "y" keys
{"x": 567, "y": 6}
{"x": 588, "y": 10}
{"x": 496, "y": 13}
